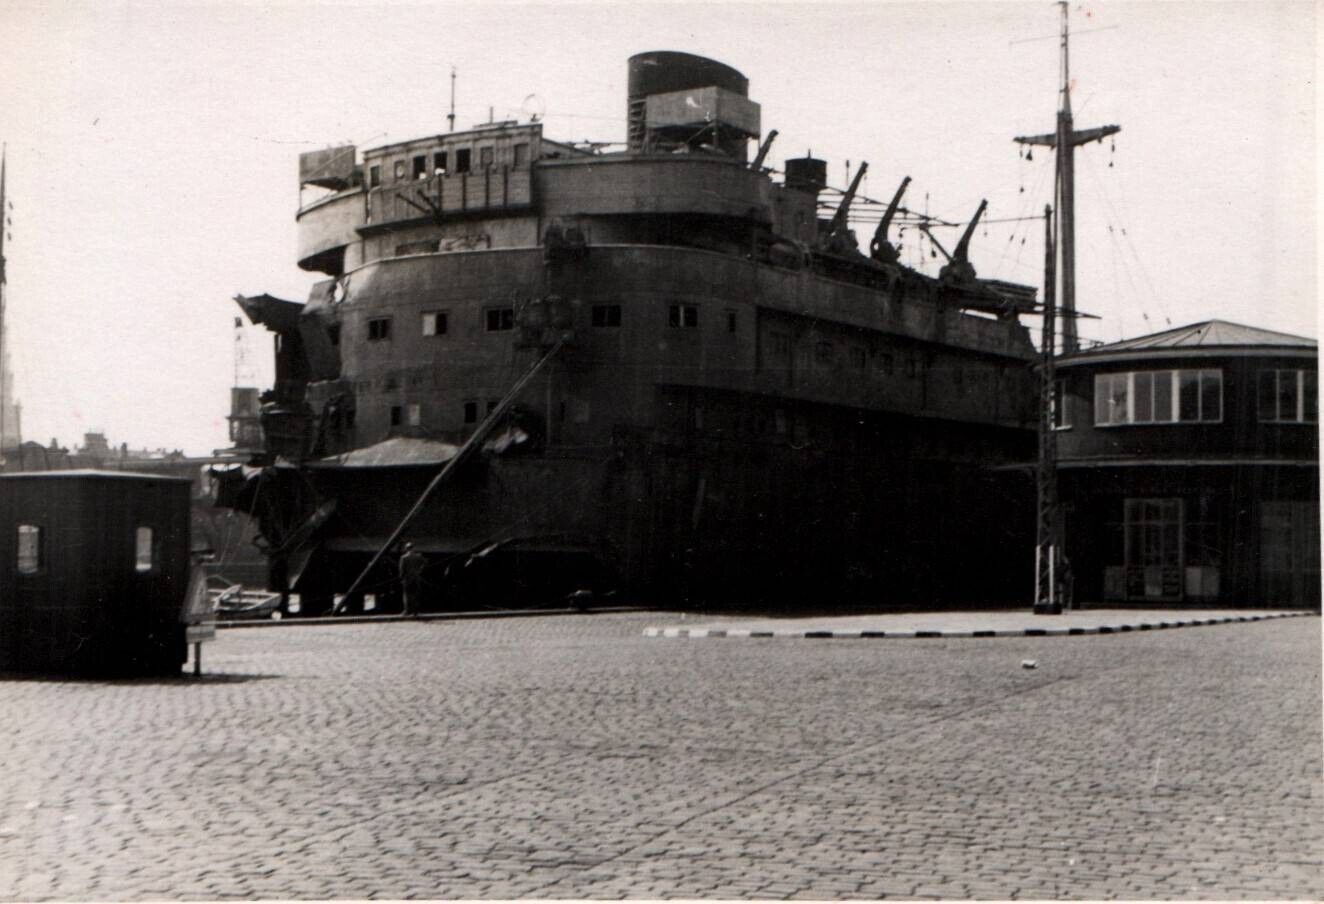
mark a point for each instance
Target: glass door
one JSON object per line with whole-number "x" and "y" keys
{"x": 1153, "y": 564}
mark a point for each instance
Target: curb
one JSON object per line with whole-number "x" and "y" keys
{"x": 869, "y": 634}
{"x": 322, "y": 621}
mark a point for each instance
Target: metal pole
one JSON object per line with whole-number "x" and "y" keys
{"x": 1046, "y": 517}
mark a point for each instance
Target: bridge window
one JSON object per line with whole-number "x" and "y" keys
{"x": 462, "y": 160}
{"x": 379, "y": 328}
{"x": 144, "y": 551}
{"x": 29, "y": 549}
{"x": 606, "y": 315}
{"x": 1289, "y": 396}
{"x": 434, "y": 323}
{"x": 500, "y": 319}
{"x": 683, "y": 316}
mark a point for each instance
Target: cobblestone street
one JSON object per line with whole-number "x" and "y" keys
{"x": 573, "y": 757}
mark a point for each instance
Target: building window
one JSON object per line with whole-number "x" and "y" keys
{"x": 1158, "y": 397}
{"x": 1289, "y": 396}
{"x": 415, "y": 415}
{"x": 421, "y": 166}
{"x": 1060, "y": 411}
{"x": 29, "y": 549}
{"x": 606, "y": 315}
{"x": 684, "y": 316}
{"x": 374, "y": 175}
{"x": 434, "y": 323}
{"x": 492, "y": 405}
{"x": 500, "y": 319}
{"x": 485, "y": 157}
{"x": 379, "y": 329}
{"x": 471, "y": 412}
{"x": 522, "y": 154}
{"x": 730, "y": 321}
{"x": 462, "y": 160}
{"x": 823, "y": 352}
{"x": 439, "y": 162}
{"x": 333, "y": 334}
{"x": 144, "y": 555}
{"x": 395, "y": 415}
{"x": 399, "y": 170}
{"x": 859, "y": 358}
{"x": 886, "y": 363}
{"x": 781, "y": 344}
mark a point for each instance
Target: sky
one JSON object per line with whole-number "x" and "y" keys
{"x": 153, "y": 149}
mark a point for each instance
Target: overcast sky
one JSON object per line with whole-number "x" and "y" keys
{"x": 152, "y": 155}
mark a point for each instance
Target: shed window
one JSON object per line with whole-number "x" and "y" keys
{"x": 29, "y": 549}
{"x": 379, "y": 328}
{"x": 1158, "y": 397}
{"x": 144, "y": 552}
{"x": 684, "y": 316}
{"x": 434, "y": 323}
{"x": 1289, "y": 396}
{"x": 500, "y": 319}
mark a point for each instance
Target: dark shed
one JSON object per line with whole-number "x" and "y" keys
{"x": 93, "y": 571}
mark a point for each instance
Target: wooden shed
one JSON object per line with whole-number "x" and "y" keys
{"x": 94, "y": 569}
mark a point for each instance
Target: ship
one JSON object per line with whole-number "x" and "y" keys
{"x": 667, "y": 374}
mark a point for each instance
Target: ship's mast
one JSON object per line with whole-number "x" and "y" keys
{"x": 1064, "y": 141}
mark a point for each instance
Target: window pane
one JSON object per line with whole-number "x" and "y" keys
{"x": 1120, "y": 401}
{"x": 1188, "y": 400}
{"x": 1163, "y": 396}
{"x": 1287, "y": 395}
{"x": 29, "y": 549}
{"x": 1211, "y": 395}
{"x": 1144, "y": 397}
{"x": 1310, "y": 395}
{"x": 1102, "y": 391}
{"x": 142, "y": 556}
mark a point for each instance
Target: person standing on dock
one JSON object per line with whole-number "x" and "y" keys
{"x": 412, "y": 563}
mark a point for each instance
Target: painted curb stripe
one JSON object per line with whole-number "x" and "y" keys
{"x": 928, "y": 634}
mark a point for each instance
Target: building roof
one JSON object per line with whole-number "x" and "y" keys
{"x": 1207, "y": 334}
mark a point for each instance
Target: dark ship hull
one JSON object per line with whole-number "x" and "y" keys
{"x": 738, "y": 406}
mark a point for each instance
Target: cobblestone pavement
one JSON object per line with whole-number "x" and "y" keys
{"x": 571, "y": 757}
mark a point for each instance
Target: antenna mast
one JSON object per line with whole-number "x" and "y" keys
{"x": 450, "y": 117}
{"x": 1064, "y": 141}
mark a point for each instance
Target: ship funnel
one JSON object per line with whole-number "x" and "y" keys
{"x": 679, "y": 102}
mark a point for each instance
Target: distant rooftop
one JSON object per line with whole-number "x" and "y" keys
{"x": 1207, "y": 334}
